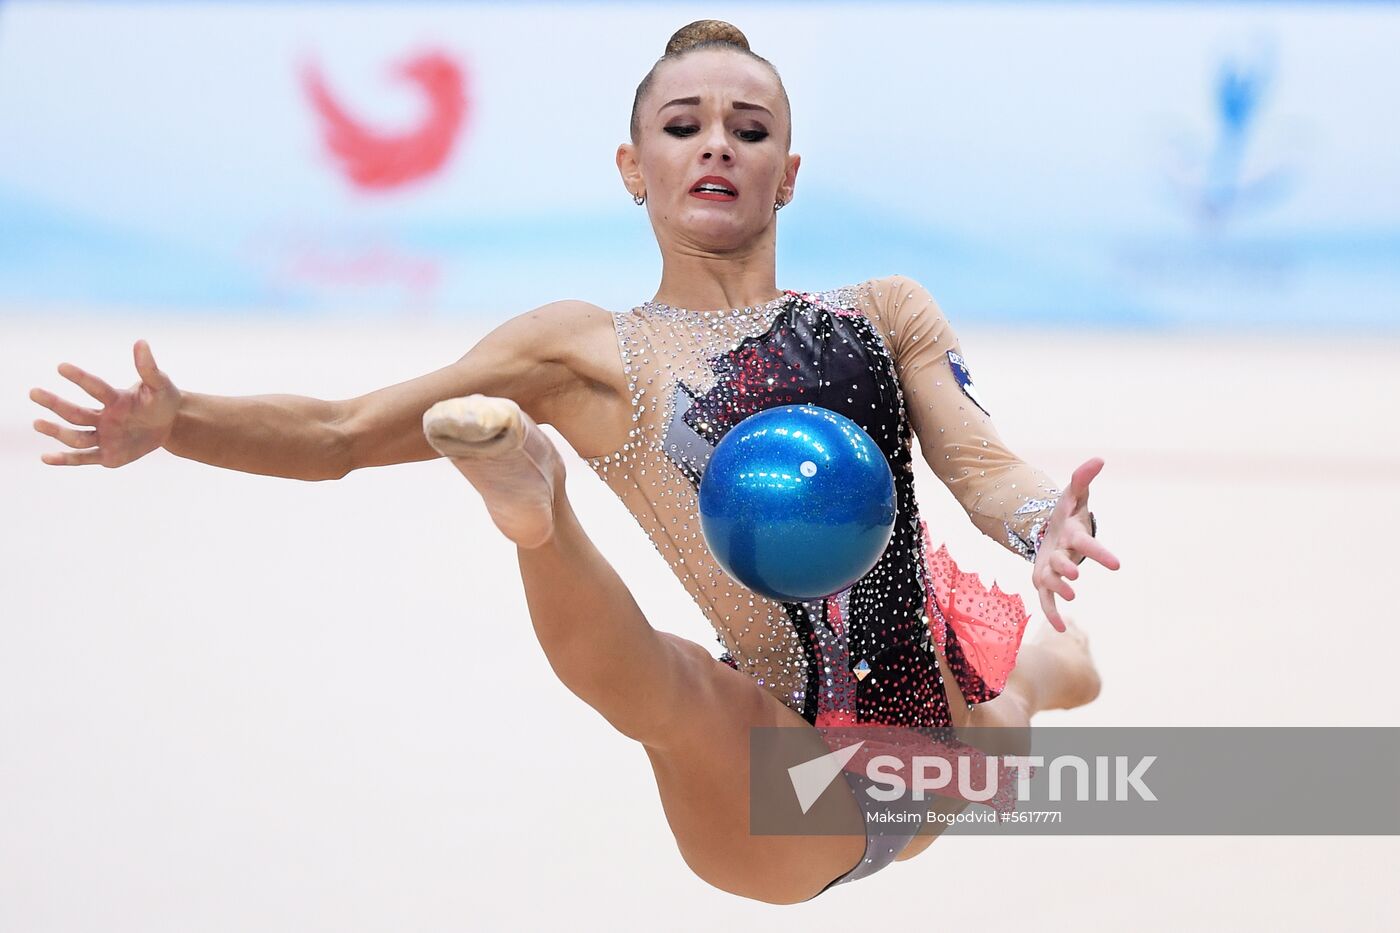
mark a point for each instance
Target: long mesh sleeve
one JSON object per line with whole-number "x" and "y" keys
{"x": 1006, "y": 498}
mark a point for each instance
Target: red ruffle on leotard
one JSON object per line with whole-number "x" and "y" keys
{"x": 986, "y": 625}
{"x": 972, "y": 775}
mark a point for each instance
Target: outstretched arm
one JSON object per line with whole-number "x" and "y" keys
{"x": 526, "y": 359}
{"x": 1006, "y": 498}
{"x": 1014, "y": 503}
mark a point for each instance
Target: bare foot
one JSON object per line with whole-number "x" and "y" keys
{"x": 504, "y": 454}
{"x": 1077, "y": 682}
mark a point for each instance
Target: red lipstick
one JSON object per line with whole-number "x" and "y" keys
{"x": 715, "y": 188}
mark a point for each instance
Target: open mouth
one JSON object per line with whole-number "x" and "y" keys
{"x": 714, "y": 188}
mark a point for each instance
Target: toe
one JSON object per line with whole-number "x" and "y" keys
{"x": 474, "y": 425}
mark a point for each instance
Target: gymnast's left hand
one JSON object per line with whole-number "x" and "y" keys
{"x": 1068, "y": 541}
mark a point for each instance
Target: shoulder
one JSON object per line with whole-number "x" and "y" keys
{"x": 574, "y": 316}
{"x": 902, "y": 299}
{"x": 882, "y": 298}
{"x": 559, "y": 318}
{"x": 580, "y": 335}
{"x": 554, "y": 332}
{"x": 901, "y": 309}
{"x": 556, "y": 346}
{"x": 562, "y": 360}
{"x": 875, "y": 294}
{"x": 889, "y": 290}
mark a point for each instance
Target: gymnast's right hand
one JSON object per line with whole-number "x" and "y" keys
{"x": 131, "y": 423}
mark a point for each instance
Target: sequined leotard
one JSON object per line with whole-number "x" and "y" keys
{"x": 881, "y": 353}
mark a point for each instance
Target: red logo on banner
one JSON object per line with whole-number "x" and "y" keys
{"x": 377, "y": 161}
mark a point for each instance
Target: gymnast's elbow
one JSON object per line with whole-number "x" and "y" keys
{"x": 334, "y": 456}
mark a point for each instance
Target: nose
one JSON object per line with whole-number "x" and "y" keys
{"x": 718, "y": 145}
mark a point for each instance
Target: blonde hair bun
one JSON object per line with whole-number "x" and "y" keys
{"x": 706, "y": 30}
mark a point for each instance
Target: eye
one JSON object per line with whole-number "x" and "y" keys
{"x": 750, "y": 136}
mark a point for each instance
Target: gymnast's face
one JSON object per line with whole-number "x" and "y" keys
{"x": 719, "y": 113}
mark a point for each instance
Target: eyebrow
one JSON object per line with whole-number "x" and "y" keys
{"x": 738, "y": 104}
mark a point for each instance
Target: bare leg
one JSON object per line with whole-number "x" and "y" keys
{"x": 691, "y": 713}
{"x": 590, "y": 627}
{"x": 1053, "y": 671}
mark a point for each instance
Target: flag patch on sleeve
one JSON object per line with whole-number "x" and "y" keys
{"x": 960, "y": 373}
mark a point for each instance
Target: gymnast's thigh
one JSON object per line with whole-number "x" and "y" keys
{"x": 702, "y": 773}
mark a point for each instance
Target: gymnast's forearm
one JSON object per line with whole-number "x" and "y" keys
{"x": 291, "y": 436}
{"x": 1008, "y": 499}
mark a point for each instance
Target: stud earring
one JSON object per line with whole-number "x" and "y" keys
{"x": 779, "y": 205}
{"x": 639, "y": 199}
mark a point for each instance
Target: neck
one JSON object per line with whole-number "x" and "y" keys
{"x": 700, "y": 281}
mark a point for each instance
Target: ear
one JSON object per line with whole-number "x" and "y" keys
{"x": 789, "y": 182}
{"x": 629, "y": 169}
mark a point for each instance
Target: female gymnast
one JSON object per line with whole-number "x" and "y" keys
{"x": 644, "y": 395}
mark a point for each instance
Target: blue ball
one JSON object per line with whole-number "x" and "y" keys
{"x": 797, "y": 502}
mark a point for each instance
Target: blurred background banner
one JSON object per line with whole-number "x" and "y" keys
{"x": 1190, "y": 165}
